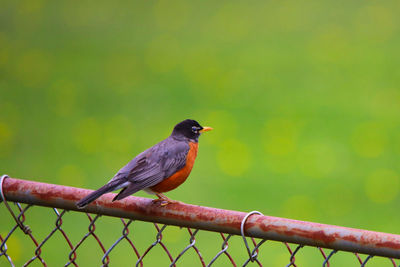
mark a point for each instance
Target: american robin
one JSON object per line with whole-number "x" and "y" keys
{"x": 158, "y": 169}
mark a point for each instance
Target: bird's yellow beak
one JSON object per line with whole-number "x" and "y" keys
{"x": 205, "y": 129}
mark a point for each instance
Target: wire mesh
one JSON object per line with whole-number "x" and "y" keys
{"x": 231, "y": 249}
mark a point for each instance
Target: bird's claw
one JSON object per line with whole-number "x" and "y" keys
{"x": 165, "y": 201}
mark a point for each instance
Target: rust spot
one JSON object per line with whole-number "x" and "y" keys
{"x": 54, "y": 192}
{"x": 388, "y": 244}
{"x": 319, "y": 234}
{"x": 350, "y": 238}
{"x": 10, "y": 184}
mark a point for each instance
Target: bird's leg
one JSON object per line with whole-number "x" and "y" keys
{"x": 164, "y": 200}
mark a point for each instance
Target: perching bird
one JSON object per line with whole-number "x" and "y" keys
{"x": 158, "y": 169}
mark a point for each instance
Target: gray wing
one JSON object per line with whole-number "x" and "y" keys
{"x": 152, "y": 166}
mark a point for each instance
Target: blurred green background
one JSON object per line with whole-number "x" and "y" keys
{"x": 303, "y": 97}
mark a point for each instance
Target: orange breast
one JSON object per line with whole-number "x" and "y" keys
{"x": 180, "y": 176}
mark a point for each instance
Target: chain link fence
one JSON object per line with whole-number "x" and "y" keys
{"x": 135, "y": 230}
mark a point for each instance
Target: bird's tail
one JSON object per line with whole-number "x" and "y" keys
{"x": 111, "y": 186}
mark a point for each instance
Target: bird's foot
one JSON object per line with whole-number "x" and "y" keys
{"x": 164, "y": 201}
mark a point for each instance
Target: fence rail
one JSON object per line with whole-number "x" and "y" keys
{"x": 194, "y": 218}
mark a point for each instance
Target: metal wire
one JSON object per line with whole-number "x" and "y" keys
{"x": 125, "y": 232}
{"x": 159, "y": 237}
{"x": 3, "y": 251}
{"x": 223, "y": 250}
{"x": 292, "y": 258}
{"x": 192, "y": 242}
{"x": 24, "y": 228}
{"x": 72, "y": 249}
{"x": 326, "y": 261}
{"x": 252, "y": 254}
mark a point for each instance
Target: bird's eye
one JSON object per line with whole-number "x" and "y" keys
{"x": 194, "y": 129}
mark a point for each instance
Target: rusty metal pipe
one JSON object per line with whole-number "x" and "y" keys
{"x": 205, "y": 218}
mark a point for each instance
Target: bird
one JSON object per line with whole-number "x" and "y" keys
{"x": 157, "y": 170}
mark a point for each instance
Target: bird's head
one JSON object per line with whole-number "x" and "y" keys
{"x": 190, "y": 129}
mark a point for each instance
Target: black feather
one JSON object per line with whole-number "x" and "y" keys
{"x": 98, "y": 193}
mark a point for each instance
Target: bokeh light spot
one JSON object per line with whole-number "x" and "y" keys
{"x": 280, "y": 136}
{"x": 369, "y": 139}
{"x": 382, "y": 186}
{"x": 234, "y": 157}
